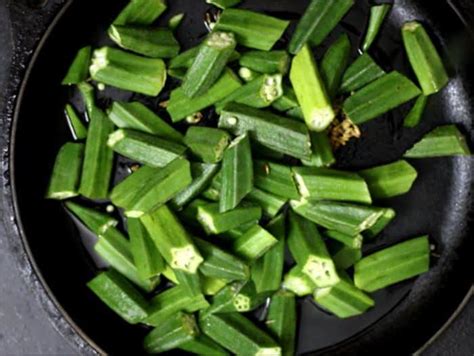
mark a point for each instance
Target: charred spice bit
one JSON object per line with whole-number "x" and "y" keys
{"x": 341, "y": 132}
{"x": 195, "y": 118}
{"x": 164, "y": 104}
{"x": 135, "y": 167}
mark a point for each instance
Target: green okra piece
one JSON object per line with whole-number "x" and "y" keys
{"x": 258, "y": 93}
{"x": 354, "y": 242}
{"x": 87, "y": 92}
{"x": 189, "y": 215}
{"x": 78, "y": 72}
{"x": 236, "y": 174}
{"x": 389, "y": 180}
{"x": 180, "y": 106}
{"x": 186, "y": 59}
{"x": 238, "y": 334}
{"x": 146, "y": 256}
{"x": 441, "y": 142}
{"x": 252, "y": 29}
{"x": 172, "y": 301}
{"x": 149, "y": 188}
{"x": 343, "y": 255}
{"x": 319, "y": 19}
{"x": 298, "y": 282}
{"x": 95, "y": 220}
{"x": 221, "y": 264}
{"x": 287, "y": 101}
{"x": 98, "y": 157}
{"x": 203, "y": 345}
{"x": 238, "y": 297}
{"x": 178, "y": 73}
{"x": 215, "y": 222}
{"x": 191, "y": 282}
{"x": 271, "y": 204}
{"x": 210, "y": 62}
{"x": 323, "y": 154}
{"x": 343, "y": 299}
{"x": 393, "y": 264}
{"x": 78, "y": 129}
{"x": 384, "y": 220}
{"x": 330, "y": 184}
{"x": 66, "y": 176}
{"x": 237, "y": 232}
{"x": 334, "y": 64}
{"x": 378, "y": 13}
{"x": 175, "y": 21}
{"x": 267, "y": 62}
{"x": 311, "y": 91}
{"x": 149, "y": 42}
{"x": 261, "y": 152}
{"x": 247, "y": 75}
{"x": 276, "y": 179}
{"x": 254, "y": 243}
{"x": 141, "y": 12}
{"x": 363, "y": 71}
{"x": 115, "y": 249}
{"x": 424, "y": 58}
{"x": 137, "y": 116}
{"x": 170, "y": 275}
{"x": 347, "y": 218}
{"x": 202, "y": 174}
{"x": 172, "y": 240}
{"x": 379, "y": 97}
{"x": 120, "y": 296}
{"x": 224, "y": 4}
{"x": 281, "y": 321}
{"x": 207, "y": 143}
{"x": 179, "y": 329}
{"x": 212, "y": 286}
{"x": 296, "y": 113}
{"x": 150, "y": 150}
{"x": 415, "y": 114}
{"x": 267, "y": 271}
{"x": 309, "y": 251}
{"x": 128, "y": 71}
{"x": 272, "y": 131}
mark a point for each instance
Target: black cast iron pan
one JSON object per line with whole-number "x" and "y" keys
{"x": 406, "y": 315}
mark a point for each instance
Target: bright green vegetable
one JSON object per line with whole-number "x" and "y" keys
{"x": 362, "y": 72}
{"x": 309, "y": 251}
{"x": 146, "y": 256}
{"x": 343, "y": 255}
{"x": 252, "y": 29}
{"x": 311, "y": 91}
{"x": 172, "y": 240}
{"x": 272, "y": 131}
{"x": 389, "y": 180}
{"x": 254, "y": 243}
{"x": 296, "y": 113}
{"x": 95, "y": 220}
{"x": 175, "y": 21}
{"x": 238, "y": 334}
{"x": 203, "y": 345}
{"x": 128, "y": 71}
{"x": 236, "y": 174}
{"x": 334, "y": 64}
{"x": 141, "y": 12}
{"x": 212, "y": 286}
{"x": 78, "y": 129}
{"x": 319, "y": 19}
{"x": 149, "y": 188}
{"x": 189, "y": 215}
{"x": 347, "y": 218}
{"x": 386, "y": 218}
{"x": 66, "y": 176}
{"x": 287, "y": 101}
{"x": 178, "y": 73}
{"x": 120, "y": 296}
{"x": 137, "y": 116}
{"x": 79, "y": 70}
{"x": 210, "y": 62}
{"x": 150, "y": 42}
{"x": 354, "y": 242}
{"x": 330, "y": 184}
{"x": 424, "y": 58}
{"x": 238, "y": 297}
{"x": 442, "y": 141}
{"x": 393, "y": 264}
{"x": 224, "y": 4}
{"x": 415, "y": 115}
{"x": 276, "y": 179}
{"x": 268, "y": 62}
{"x": 247, "y": 75}
{"x": 271, "y": 204}
{"x": 191, "y": 282}
{"x": 180, "y": 106}
{"x": 378, "y": 14}
{"x": 379, "y": 97}
{"x": 178, "y": 330}
{"x": 298, "y": 282}
{"x": 207, "y": 143}
{"x": 281, "y": 321}
{"x": 322, "y": 155}
{"x": 145, "y": 148}
{"x": 186, "y": 58}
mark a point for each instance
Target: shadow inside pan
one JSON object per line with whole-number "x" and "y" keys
{"x": 405, "y": 316}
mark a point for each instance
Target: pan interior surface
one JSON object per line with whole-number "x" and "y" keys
{"x": 438, "y": 205}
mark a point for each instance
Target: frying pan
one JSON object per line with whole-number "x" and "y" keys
{"x": 53, "y": 250}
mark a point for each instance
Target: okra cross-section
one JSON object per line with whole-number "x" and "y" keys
{"x": 238, "y": 297}
{"x": 298, "y": 282}
{"x": 79, "y": 69}
{"x": 172, "y": 240}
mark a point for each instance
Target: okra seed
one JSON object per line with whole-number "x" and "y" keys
{"x": 232, "y": 120}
